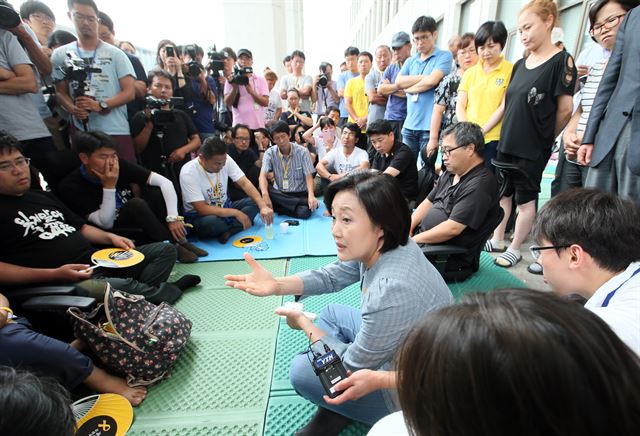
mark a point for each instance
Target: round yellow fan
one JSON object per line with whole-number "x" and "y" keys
{"x": 116, "y": 258}
{"x": 104, "y": 415}
{"x": 247, "y": 241}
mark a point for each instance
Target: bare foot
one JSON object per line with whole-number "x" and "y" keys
{"x": 103, "y": 382}
{"x": 78, "y": 344}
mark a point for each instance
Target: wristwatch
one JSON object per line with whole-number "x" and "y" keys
{"x": 174, "y": 218}
{"x": 103, "y": 106}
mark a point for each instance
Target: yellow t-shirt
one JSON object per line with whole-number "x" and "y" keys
{"x": 484, "y": 94}
{"x": 360, "y": 101}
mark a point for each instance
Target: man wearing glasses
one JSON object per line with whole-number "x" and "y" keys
{"x": 588, "y": 243}
{"x": 40, "y": 18}
{"x": 102, "y": 105}
{"x": 419, "y": 77}
{"x": 460, "y": 206}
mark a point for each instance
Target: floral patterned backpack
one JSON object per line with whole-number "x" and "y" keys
{"x": 132, "y": 336}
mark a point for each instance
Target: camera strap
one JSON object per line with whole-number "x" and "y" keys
{"x": 88, "y": 60}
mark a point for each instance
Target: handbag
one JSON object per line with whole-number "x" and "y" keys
{"x": 133, "y": 337}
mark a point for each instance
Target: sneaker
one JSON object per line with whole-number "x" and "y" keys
{"x": 184, "y": 255}
{"x": 535, "y": 268}
{"x": 194, "y": 249}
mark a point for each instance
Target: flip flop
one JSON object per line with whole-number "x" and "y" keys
{"x": 490, "y": 248}
{"x": 508, "y": 259}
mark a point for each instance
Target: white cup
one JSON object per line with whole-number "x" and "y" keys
{"x": 284, "y": 228}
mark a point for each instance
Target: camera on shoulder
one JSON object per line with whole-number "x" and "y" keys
{"x": 162, "y": 117}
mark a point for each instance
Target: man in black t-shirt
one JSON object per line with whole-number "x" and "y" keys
{"x": 458, "y": 210}
{"x": 44, "y": 242}
{"x": 245, "y": 156}
{"x": 164, "y": 140}
{"x": 393, "y": 157}
{"x": 102, "y": 191}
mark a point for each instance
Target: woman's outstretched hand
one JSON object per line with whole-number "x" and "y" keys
{"x": 259, "y": 281}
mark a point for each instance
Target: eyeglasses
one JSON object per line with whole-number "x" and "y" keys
{"x": 422, "y": 37}
{"x": 86, "y": 18}
{"x": 42, "y": 18}
{"x": 20, "y": 162}
{"x": 447, "y": 151}
{"x": 467, "y": 52}
{"x": 536, "y": 249}
{"x": 609, "y": 23}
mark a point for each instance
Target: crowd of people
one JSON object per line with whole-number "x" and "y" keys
{"x": 96, "y": 151}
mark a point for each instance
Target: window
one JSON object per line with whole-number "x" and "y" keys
{"x": 440, "y": 28}
{"x": 508, "y": 11}
{"x": 510, "y": 53}
{"x": 465, "y": 16}
{"x": 571, "y": 19}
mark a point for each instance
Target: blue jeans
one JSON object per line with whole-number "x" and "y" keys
{"x": 416, "y": 140}
{"x": 343, "y": 323}
{"x": 211, "y": 226}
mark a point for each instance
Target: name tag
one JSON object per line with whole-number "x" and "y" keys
{"x": 285, "y": 184}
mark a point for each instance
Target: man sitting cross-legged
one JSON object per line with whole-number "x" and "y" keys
{"x": 459, "y": 207}
{"x": 44, "y": 242}
{"x": 102, "y": 191}
{"x": 292, "y": 194}
{"x": 340, "y": 161}
{"x": 204, "y": 183}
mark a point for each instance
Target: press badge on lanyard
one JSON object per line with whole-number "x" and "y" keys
{"x": 285, "y": 184}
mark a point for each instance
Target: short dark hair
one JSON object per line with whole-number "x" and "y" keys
{"x": 331, "y": 108}
{"x": 89, "y": 142}
{"x": 237, "y": 127}
{"x": 464, "y": 368}
{"x": 229, "y": 52}
{"x": 213, "y": 146}
{"x": 494, "y": 30}
{"x": 9, "y": 143}
{"x": 351, "y": 51}
{"x": 286, "y": 59}
{"x": 627, "y": 5}
{"x": 379, "y": 127}
{"x": 367, "y": 54}
{"x": 466, "y": 40}
{"x": 373, "y": 189}
{"x": 424, "y": 24}
{"x": 157, "y": 72}
{"x": 298, "y": 53}
{"x": 60, "y": 37}
{"x": 353, "y": 128}
{"x": 324, "y": 65}
{"x": 34, "y": 6}
{"x": 603, "y": 224}
{"x": 466, "y": 133}
{"x": 106, "y": 20}
{"x": 280, "y": 127}
{"x": 90, "y": 3}
{"x": 264, "y": 131}
{"x": 326, "y": 121}
{"x": 121, "y": 43}
{"x": 33, "y": 406}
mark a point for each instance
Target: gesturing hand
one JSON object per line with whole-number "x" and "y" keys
{"x": 259, "y": 281}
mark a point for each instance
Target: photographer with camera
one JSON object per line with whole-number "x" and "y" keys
{"x": 203, "y": 91}
{"x": 168, "y": 59}
{"x": 324, "y": 92}
{"x": 246, "y": 93}
{"x": 163, "y": 137}
{"x": 96, "y": 89}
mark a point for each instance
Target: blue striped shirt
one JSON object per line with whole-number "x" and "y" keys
{"x": 298, "y": 165}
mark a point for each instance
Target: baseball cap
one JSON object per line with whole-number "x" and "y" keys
{"x": 400, "y": 39}
{"x": 244, "y": 51}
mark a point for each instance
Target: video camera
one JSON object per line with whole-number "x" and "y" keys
{"x": 161, "y": 117}
{"x": 323, "y": 80}
{"x": 75, "y": 69}
{"x": 216, "y": 63}
{"x": 194, "y": 66}
{"x": 329, "y": 369}
{"x": 239, "y": 76}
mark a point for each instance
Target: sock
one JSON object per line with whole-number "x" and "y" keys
{"x": 514, "y": 251}
{"x": 187, "y": 281}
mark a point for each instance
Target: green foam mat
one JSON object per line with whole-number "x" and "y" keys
{"x": 488, "y": 277}
{"x": 212, "y": 273}
{"x": 287, "y": 414}
{"x": 290, "y": 343}
{"x": 250, "y": 427}
{"x": 300, "y": 264}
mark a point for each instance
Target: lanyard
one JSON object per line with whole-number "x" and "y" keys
{"x": 216, "y": 190}
{"x": 90, "y": 59}
{"x": 285, "y": 168}
{"x": 610, "y": 295}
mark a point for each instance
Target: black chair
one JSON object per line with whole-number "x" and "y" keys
{"x": 440, "y": 254}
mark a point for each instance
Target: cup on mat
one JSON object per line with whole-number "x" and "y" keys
{"x": 269, "y": 231}
{"x": 284, "y": 228}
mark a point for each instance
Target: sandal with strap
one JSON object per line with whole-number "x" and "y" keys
{"x": 508, "y": 259}
{"x": 490, "y": 248}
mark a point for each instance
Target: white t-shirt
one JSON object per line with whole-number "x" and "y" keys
{"x": 200, "y": 185}
{"x": 623, "y": 311}
{"x": 342, "y": 164}
{"x": 390, "y": 425}
{"x": 321, "y": 146}
{"x": 274, "y": 104}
